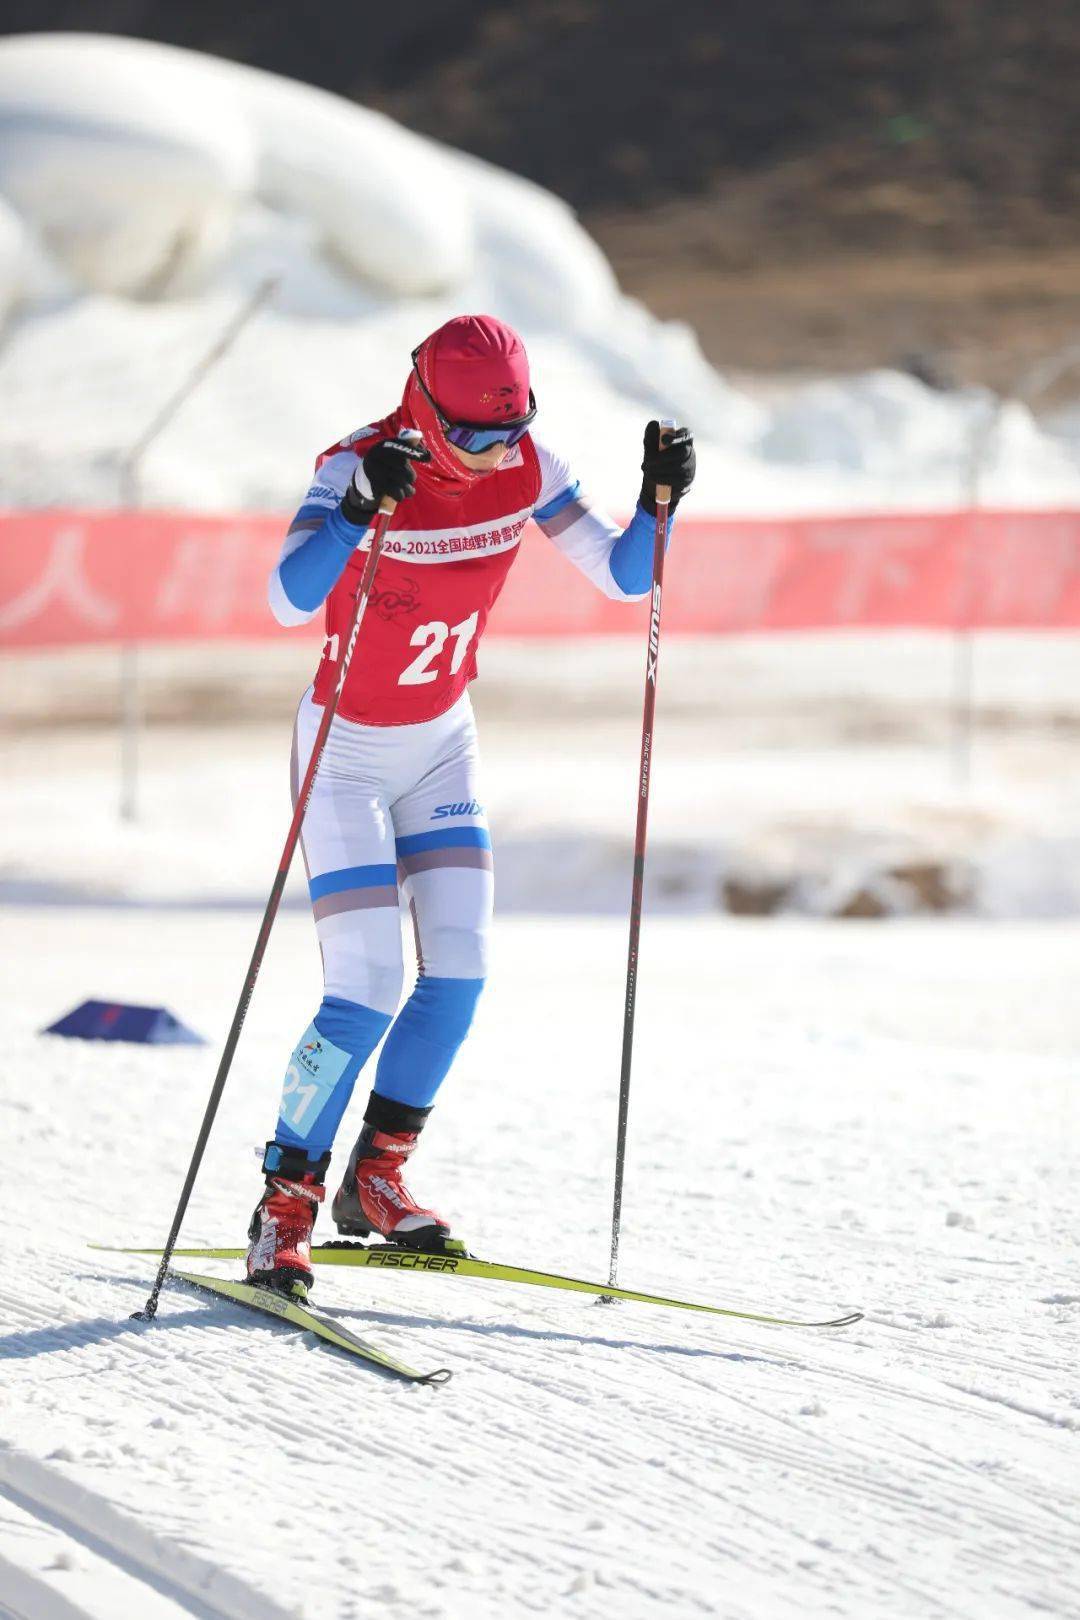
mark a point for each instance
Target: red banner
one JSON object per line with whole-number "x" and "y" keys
{"x": 69, "y": 577}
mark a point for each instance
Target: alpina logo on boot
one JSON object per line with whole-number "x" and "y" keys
{"x": 389, "y": 1191}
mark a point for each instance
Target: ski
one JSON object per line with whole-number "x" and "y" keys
{"x": 388, "y": 1257}
{"x": 288, "y": 1310}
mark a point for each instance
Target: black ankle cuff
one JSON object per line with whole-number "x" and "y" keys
{"x": 292, "y": 1163}
{"x": 387, "y": 1115}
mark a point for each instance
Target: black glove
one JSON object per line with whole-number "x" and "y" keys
{"x": 674, "y": 465}
{"x": 387, "y": 470}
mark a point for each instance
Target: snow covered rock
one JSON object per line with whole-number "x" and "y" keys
{"x": 390, "y": 205}
{"x": 143, "y": 171}
{"x": 128, "y": 161}
{"x": 133, "y": 159}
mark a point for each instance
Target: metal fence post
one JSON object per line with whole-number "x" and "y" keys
{"x": 1032, "y": 383}
{"x": 130, "y": 704}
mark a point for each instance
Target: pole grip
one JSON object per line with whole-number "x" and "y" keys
{"x": 663, "y": 491}
{"x": 411, "y": 436}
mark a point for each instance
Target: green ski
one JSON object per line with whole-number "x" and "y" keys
{"x": 387, "y": 1257}
{"x": 288, "y": 1310}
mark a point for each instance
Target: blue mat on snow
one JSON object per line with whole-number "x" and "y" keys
{"x": 122, "y": 1021}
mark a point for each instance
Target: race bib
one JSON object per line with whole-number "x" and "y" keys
{"x": 311, "y": 1079}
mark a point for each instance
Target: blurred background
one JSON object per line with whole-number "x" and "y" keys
{"x": 842, "y": 242}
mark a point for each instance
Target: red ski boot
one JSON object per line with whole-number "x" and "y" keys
{"x": 373, "y": 1197}
{"x": 280, "y": 1230}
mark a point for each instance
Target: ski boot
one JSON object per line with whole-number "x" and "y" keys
{"x": 373, "y": 1197}
{"x": 280, "y": 1253}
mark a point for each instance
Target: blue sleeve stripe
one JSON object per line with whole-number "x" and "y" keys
{"x": 313, "y": 509}
{"x": 563, "y": 498}
{"x": 352, "y": 877}
{"x": 309, "y": 573}
{"x": 631, "y": 555}
{"x": 449, "y": 838}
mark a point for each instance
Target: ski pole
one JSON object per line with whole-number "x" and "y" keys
{"x": 663, "y": 498}
{"x": 386, "y": 509}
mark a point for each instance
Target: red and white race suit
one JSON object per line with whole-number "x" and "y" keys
{"x": 445, "y": 559}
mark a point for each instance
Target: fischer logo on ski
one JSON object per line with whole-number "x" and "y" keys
{"x": 408, "y": 1260}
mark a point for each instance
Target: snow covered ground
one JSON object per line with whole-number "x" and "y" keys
{"x": 824, "y": 1117}
{"x": 816, "y": 765}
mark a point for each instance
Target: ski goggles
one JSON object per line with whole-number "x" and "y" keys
{"x": 475, "y": 437}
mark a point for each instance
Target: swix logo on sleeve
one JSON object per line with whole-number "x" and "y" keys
{"x": 654, "y": 635}
{"x": 468, "y": 808}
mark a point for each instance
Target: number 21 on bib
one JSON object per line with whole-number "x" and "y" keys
{"x": 432, "y": 639}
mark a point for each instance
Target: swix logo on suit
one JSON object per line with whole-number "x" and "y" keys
{"x": 468, "y": 807}
{"x": 404, "y": 672}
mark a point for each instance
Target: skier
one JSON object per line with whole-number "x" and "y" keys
{"x": 397, "y": 797}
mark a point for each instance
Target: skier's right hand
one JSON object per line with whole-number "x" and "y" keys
{"x": 388, "y": 469}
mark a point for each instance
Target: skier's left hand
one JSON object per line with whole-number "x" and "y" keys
{"x": 675, "y": 464}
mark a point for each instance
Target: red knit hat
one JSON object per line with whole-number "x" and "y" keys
{"x": 476, "y": 369}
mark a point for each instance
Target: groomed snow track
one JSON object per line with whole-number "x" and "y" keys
{"x": 831, "y": 1116}
{"x": 68, "y": 1554}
